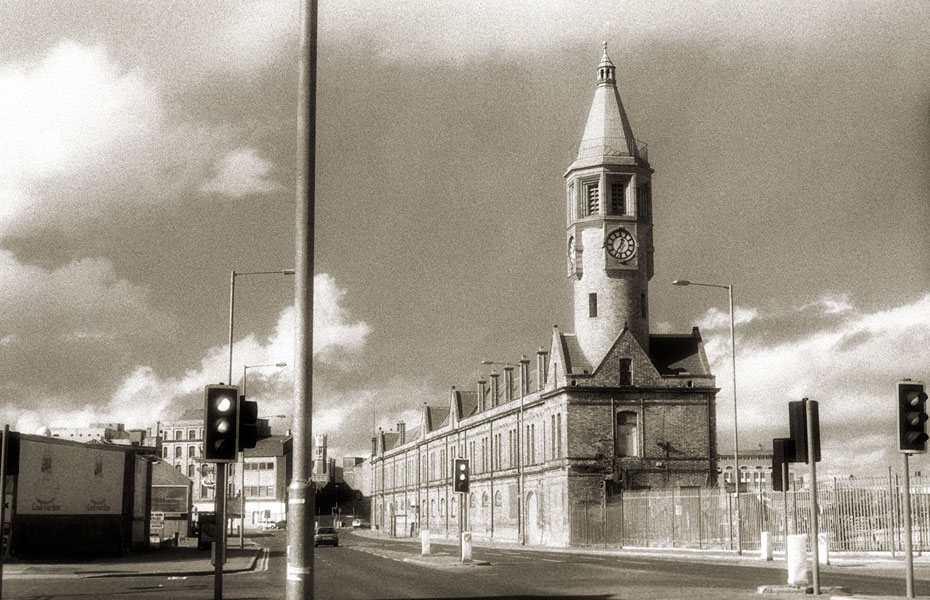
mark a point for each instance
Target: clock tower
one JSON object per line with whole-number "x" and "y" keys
{"x": 609, "y": 226}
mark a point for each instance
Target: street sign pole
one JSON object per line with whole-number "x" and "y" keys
{"x": 810, "y": 407}
{"x": 3, "y": 549}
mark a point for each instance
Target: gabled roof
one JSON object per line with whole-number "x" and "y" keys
{"x": 679, "y": 354}
{"x": 465, "y": 403}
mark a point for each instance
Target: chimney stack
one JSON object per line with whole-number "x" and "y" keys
{"x": 524, "y": 376}
{"x": 508, "y": 383}
{"x": 495, "y": 389}
{"x": 541, "y": 365}
{"x": 482, "y": 392}
{"x": 402, "y": 432}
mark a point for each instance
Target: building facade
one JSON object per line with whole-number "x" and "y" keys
{"x": 182, "y": 446}
{"x": 755, "y": 468}
{"x": 607, "y": 407}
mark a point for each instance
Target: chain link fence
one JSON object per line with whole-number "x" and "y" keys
{"x": 860, "y": 515}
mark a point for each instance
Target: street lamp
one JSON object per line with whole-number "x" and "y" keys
{"x": 729, "y": 288}
{"x": 245, "y": 369}
{"x": 221, "y": 467}
{"x": 520, "y": 483}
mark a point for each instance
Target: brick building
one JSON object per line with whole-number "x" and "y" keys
{"x": 605, "y": 408}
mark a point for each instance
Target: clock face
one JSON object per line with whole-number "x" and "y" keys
{"x": 571, "y": 252}
{"x": 621, "y": 245}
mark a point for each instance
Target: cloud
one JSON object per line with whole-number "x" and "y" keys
{"x": 144, "y": 396}
{"x": 846, "y": 359}
{"x": 84, "y": 138}
{"x": 240, "y": 173}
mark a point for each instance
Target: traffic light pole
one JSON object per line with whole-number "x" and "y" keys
{"x": 908, "y": 540}
{"x": 219, "y": 545}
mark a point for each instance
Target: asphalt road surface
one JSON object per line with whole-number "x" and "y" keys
{"x": 362, "y": 568}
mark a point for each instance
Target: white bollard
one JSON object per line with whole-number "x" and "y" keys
{"x": 424, "y": 542}
{"x": 765, "y": 551}
{"x": 796, "y": 557}
{"x": 823, "y": 548}
{"x": 466, "y": 546}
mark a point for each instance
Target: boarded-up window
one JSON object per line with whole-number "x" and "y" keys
{"x": 627, "y": 443}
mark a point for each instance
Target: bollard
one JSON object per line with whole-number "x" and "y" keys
{"x": 466, "y": 546}
{"x": 765, "y": 550}
{"x": 796, "y": 558}
{"x": 823, "y": 548}
{"x": 424, "y": 542}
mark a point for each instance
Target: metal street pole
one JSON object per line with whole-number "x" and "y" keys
{"x": 908, "y": 535}
{"x": 729, "y": 288}
{"x": 3, "y": 450}
{"x": 300, "y": 500}
{"x": 815, "y": 529}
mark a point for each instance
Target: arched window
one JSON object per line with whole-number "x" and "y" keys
{"x": 484, "y": 499}
{"x": 177, "y": 451}
{"x": 627, "y": 443}
{"x": 471, "y": 500}
{"x": 442, "y": 507}
{"x": 452, "y": 505}
{"x": 190, "y": 471}
{"x": 177, "y": 434}
{"x": 498, "y": 498}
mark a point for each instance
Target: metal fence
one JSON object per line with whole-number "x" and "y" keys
{"x": 855, "y": 514}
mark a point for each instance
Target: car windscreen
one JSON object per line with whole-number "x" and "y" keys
{"x": 326, "y": 530}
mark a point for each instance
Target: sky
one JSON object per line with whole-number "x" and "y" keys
{"x": 148, "y": 150}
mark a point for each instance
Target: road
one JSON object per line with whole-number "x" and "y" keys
{"x": 363, "y": 568}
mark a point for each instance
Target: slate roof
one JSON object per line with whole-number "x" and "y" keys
{"x": 576, "y": 363}
{"x": 678, "y": 354}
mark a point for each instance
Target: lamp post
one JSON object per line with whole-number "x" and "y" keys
{"x": 245, "y": 369}
{"x": 729, "y": 288}
{"x": 520, "y": 483}
{"x": 221, "y": 467}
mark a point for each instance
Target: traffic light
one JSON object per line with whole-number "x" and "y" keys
{"x": 248, "y": 423}
{"x": 221, "y": 423}
{"x": 797, "y": 417}
{"x": 12, "y": 453}
{"x": 460, "y": 466}
{"x": 912, "y": 417}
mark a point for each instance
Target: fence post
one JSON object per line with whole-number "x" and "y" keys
{"x": 700, "y": 517}
{"x": 729, "y": 523}
{"x": 622, "y": 525}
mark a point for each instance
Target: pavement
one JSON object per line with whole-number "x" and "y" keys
{"x": 183, "y": 560}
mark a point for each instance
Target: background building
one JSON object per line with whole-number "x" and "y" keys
{"x": 268, "y": 468}
{"x": 755, "y": 470}
{"x": 182, "y": 446}
{"x": 608, "y": 407}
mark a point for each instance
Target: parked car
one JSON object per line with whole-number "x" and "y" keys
{"x": 266, "y": 525}
{"x": 280, "y": 525}
{"x": 326, "y": 535}
{"x": 356, "y": 523}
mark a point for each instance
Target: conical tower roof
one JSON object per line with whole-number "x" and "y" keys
{"x": 608, "y": 134}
